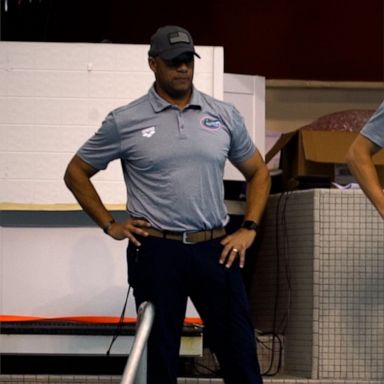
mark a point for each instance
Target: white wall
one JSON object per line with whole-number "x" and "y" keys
{"x": 44, "y": 275}
{"x": 53, "y": 96}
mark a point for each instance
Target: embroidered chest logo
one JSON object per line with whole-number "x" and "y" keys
{"x": 209, "y": 122}
{"x": 148, "y": 132}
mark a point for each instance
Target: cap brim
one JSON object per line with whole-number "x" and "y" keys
{"x": 172, "y": 54}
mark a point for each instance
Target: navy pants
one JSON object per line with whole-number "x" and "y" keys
{"x": 167, "y": 272}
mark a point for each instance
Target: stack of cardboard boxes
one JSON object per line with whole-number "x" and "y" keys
{"x": 311, "y": 158}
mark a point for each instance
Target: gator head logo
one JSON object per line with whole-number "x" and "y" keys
{"x": 209, "y": 122}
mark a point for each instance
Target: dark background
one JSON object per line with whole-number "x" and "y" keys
{"x": 304, "y": 39}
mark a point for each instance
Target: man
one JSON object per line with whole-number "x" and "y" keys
{"x": 173, "y": 143}
{"x": 359, "y": 158}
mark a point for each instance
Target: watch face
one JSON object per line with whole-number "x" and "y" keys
{"x": 249, "y": 224}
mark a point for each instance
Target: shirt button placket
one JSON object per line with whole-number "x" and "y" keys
{"x": 180, "y": 119}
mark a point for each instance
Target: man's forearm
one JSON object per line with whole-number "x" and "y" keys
{"x": 91, "y": 203}
{"x": 79, "y": 183}
{"x": 359, "y": 160}
{"x": 366, "y": 175}
{"x": 258, "y": 188}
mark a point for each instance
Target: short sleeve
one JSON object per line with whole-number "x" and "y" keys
{"x": 103, "y": 147}
{"x": 242, "y": 146}
{"x": 374, "y": 128}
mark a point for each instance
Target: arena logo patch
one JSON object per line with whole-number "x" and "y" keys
{"x": 148, "y": 132}
{"x": 210, "y": 122}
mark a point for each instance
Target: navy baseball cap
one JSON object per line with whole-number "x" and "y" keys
{"x": 171, "y": 41}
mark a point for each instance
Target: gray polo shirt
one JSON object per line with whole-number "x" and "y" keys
{"x": 173, "y": 160}
{"x": 374, "y": 128}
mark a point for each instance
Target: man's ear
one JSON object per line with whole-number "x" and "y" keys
{"x": 152, "y": 63}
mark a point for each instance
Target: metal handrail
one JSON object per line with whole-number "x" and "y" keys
{"x": 135, "y": 371}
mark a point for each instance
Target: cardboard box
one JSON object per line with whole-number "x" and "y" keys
{"x": 311, "y": 157}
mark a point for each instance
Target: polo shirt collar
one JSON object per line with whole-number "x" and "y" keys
{"x": 159, "y": 104}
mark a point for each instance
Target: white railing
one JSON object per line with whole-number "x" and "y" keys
{"x": 135, "y": 371}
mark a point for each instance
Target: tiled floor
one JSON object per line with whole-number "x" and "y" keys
{"x": 69, "y": 379}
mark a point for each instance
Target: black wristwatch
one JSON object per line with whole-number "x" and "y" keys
{"x": 249, "y": 224}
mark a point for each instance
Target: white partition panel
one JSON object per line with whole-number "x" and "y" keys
{"x": 247, "y": 93}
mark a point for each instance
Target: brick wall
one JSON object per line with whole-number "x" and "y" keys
{"x": 53, "y": 96}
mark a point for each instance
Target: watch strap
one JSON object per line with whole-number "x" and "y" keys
{"x": 250, "y": 224}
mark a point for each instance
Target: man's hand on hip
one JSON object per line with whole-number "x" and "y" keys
{"x": 235, "y": 246}
{"x": 128, "y": 228}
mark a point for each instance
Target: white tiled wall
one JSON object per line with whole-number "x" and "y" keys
{"x": 54, "y": 95}
{"x": 331, "y": 243}
{"x": 351, "y": 288}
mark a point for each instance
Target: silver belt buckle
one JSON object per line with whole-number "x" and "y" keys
{"x": 185, "y": 240}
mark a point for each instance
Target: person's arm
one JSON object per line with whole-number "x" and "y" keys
{"x": 78, "y": 180}
{"x": 359, "y": 160}
{"x": 258, "y": 181}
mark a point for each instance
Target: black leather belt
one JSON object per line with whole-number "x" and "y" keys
{"x": 187, "y": 237}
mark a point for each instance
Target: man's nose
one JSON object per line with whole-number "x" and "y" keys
{"x": 182, "y": 67}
